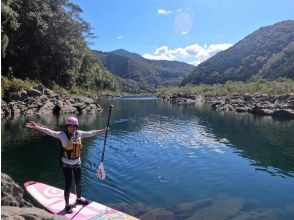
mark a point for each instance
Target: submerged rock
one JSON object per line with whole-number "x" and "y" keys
{"x": 158, "y": 214}
{"x": 136, "y": 209}
{"x": 257, "y": 215}
{"x": 222, "y": 207}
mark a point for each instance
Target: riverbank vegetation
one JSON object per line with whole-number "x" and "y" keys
{"x": 46, "y": 42}
{"x": 255, "y": 85}
{"x": 12, "y": 85}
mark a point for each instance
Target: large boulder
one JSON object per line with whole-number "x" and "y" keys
{"x": 19, "y": 96}
{"x": 34, "y": 92}
{"x": 47, "y": 108}
{"x": 284, "y": 113}
{"x": 11, "y": 193}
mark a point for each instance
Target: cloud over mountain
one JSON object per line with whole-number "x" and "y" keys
{"x": 193, "y": 54}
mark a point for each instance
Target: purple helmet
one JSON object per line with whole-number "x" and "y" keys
{"x": 72, "y": 121}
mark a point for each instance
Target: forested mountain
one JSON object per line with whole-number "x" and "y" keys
{"x": 46, "y": 41}
{"x": 267, "y": 53}
{"x": 137, "y": 74}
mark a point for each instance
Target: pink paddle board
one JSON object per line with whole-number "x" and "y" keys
{"x": 52, "y": 199}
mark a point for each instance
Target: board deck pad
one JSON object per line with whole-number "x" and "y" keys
{"x": 52, "y": 199}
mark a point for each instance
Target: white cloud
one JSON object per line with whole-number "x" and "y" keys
{"x": 120, "y": 37}
{"x": 163, "y": 11}
{"x": 193, "y": 54}
{"x": 179, "y": 10}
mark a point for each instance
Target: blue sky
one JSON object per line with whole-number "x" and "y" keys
{"x": 184, "y": 30}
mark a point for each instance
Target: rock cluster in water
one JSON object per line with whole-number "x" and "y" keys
{"x": 281, "y": 106}
{"x": 39, "y": 100}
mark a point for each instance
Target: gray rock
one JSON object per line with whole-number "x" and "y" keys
{"x": 47, "y": 108}
{"x": 19, "y": 96}
{"x": 34, "y": 92}
{"x": 39, "y": 87}
{"x": 85, "y": 100}
{"x": 15, "y": 110}
{"x": 11, "y": 193}
{"x": 284, "y": 113}
{"x": 227, "y": 107}
{"x": 247, "y": 97}
{"x": 48, "y": 92}
{"x": 257, "y": 110}
{"x": 215, "y": 105}
{"x": 68, "y": 108}
{"x": 242, "y": 109}
{"x": 267, "y": 111}
{"x": 16, "y": 213}
{"x": 31, "y": 111}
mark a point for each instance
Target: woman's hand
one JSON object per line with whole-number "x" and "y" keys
{"x": 31, "y": 124}
{"x": 104, "y": 129}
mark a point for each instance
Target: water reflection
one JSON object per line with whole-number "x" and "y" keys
{"x": 267, "y": 142}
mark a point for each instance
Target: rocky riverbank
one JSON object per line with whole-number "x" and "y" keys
{"x": 277, "y": 106}
{"x": 39, "y": 100}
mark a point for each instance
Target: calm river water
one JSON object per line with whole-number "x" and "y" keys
{"x": 166, "y": 155}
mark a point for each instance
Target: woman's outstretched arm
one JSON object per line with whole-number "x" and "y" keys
{"x": 34, "y": 125}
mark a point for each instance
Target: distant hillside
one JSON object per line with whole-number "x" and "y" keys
{"x": 267, "y": 53}
{"x": 137, "y": 74}
{"x": 128, "y": 54}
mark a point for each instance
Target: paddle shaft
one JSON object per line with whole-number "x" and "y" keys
{"x": 108, "y": 120}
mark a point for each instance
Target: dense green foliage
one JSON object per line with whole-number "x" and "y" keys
{"x": 137, "y": 74}
{"x": 9, "y": 86}
{"x": 45, "y": 40}
{"x": 266, "y": 53}
{"x": 256, "y": 85}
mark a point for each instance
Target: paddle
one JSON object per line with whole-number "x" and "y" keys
{"x": 101, "y": 171}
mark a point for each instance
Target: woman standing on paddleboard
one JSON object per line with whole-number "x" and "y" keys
{"x": 71, "y": 140}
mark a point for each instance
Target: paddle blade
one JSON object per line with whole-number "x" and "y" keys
{"x": 100, "y": 173}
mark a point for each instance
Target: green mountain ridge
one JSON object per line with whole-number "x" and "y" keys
{"x": 137, "y": 74}
{"x": 267, "y": 53}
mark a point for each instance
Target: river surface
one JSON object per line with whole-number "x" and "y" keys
{"x": 164, "y": 155}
